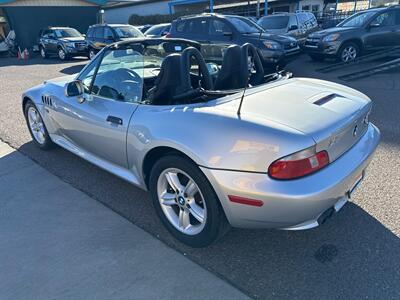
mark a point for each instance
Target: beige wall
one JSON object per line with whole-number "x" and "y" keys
{"x": 49, "y": 3}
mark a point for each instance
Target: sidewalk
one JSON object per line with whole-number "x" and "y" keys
{"x": 58, "y": 243}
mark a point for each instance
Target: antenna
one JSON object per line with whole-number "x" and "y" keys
{"x": 248, "y": 78}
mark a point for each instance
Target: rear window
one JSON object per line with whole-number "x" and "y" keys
{"x": 89, "y": 33}
{"x": 193, "y": 26}
{"x": 157, "y": 29}
{"x": 128, "y": 32}
{"x": 98, "y": 33}
{"x": 274, "y": 22}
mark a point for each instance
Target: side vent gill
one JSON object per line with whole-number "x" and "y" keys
{"x": 47, "y": 100}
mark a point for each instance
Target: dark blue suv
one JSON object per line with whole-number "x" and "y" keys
{"x": 215, "y": 32}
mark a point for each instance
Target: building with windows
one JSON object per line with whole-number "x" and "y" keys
{"x": 27, "y": 17}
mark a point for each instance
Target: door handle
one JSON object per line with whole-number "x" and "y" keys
{"x": 114, "y": 120}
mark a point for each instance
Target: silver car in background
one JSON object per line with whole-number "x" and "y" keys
{"x": 214, "y": 148}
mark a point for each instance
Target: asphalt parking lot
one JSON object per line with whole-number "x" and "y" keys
{"x": 356, "y": 254}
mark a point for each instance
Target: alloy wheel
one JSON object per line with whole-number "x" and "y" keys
{"x": 349, "y": 53}
{"x": 181, "y": 201}
{"x": 36, "y": 125}
{"x": 91, "y": 54}
{"x": 61, "y": 54}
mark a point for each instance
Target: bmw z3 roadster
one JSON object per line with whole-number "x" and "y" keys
{"x": 216, "y": 145}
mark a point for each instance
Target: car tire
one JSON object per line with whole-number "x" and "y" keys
{"x": 43, "y": 52}
{"x": 317, "y": 57}
{"x": 91, "y": 53}
{"x": 194, "y": 202}
{"x": 36, "y": 126}
{"x": 62, "y": 55}
{"x": 348, "y": 52}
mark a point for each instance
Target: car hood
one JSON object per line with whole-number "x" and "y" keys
{"x": 319, "y": 109}
{"x": 277, "y": 31}
{"x": 272, "y": 37}
{"x": 73, "y": 39}
{"x": 328, "y": 31}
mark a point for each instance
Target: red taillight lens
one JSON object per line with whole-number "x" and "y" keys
{"x": 299, "y": 164}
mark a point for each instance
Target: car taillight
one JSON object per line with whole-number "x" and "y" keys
{"x": 298, "y": 164}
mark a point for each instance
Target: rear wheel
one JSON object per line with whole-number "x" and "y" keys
{"x": 186, "y": 202}
{"x": 349, "y": 52}
{"x": 92, "y": 53}
{"x": 317, "y": 57}
{"x": 36, "y": 127}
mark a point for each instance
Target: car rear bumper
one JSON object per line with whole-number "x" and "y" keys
{"x": 296, "y": 204}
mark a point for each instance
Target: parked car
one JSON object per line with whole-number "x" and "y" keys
{"x": 144, "y": 28}
{"x": 158, "y": 30}
{"x": 239, "y": 151}
{"x": 366, "y": 31}
{"x": 64, "y": 42}
{"x": 101, "y": 35}
{"x": 215, "y": 31}
{"x": 298, "y": 25}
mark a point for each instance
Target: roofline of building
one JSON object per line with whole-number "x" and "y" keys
{"x": 97, "y": 2}
{"x": 119, "y": 4}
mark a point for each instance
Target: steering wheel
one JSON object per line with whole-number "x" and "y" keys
{"x": 206, "y": 80}
{"x": 129, "y": 82}
{"x": 254, "y": 64}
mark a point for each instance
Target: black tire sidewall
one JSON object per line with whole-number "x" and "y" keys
{"x": 48, "y": 144}
{"x": 215, "y": 216}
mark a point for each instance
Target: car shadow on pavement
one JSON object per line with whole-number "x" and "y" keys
{"x": 352, "y": 255}
{"x": 72, "y": 69}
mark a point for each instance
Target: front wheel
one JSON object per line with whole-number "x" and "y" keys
{"x": 349, "y": 52}
{"x": 62, "y": 55}
{"x": 36, "y": 127}
{"x": 186, "y": 202}
{"x": 43, "y": 53}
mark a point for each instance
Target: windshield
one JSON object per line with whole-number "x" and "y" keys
{"x": 357, "y": 20}
{"x": 127, "y": 32}
{"x": 68, "y": 32}
{"x": 244, "y": 25}
{"x": 277, "y": 22}
{"x": 157, "y": 30}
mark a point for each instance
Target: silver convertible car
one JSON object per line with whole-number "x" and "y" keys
{"x": 216, "y": 145}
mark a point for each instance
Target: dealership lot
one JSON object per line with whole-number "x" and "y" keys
{"x": 356, "y": 253}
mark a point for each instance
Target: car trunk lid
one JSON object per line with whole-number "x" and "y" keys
{"x": 333, "y": 115}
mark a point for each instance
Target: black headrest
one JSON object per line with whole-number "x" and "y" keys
{"x": 187, "y": 55}
{"x": 171, "y": 81}
{"x": 233, "y": 73}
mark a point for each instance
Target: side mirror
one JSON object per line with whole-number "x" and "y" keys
{"x": 74, "y": 89}
{"x": 293, "y": 27}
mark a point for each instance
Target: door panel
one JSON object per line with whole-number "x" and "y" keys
{"x": 85, "y": 125}
{"x": 381, "y": 32}
{"x": 97, "y": 121}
